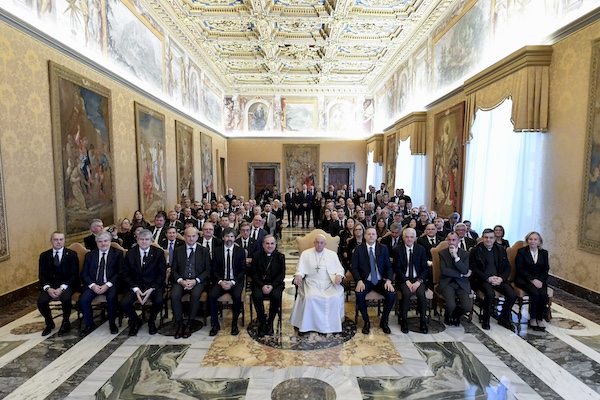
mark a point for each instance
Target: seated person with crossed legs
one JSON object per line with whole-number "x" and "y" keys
{"x": 372, "y": 270}
{"x": 228, "y": 275}
{"x": 190, "y": 272}
{"x": 454, "y": 280}
{"x": 100, "y": 276}
{"x": 267, "y": 272}
{"x": 319, "y": 306}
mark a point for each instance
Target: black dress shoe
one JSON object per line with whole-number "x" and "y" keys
{"x": 485, "y": 324}
{"x": 448, "y": 320}
{"x": 135, "y": 327}
{"x": 87, "y": 330}
{"x": 404, "y": 326}
{"x": 48, "y": 329}
{"x": 214, "y": 330}
{"x": 113, "y": 328}
{"x": 187, "y": 331}
{"x": 366, "y": 328}
{"x": 269, "y": 329}
{"x": 152, "y": 328}
{"x": 235, "y": 330}
{"x": 384, "y": 326}
{"x": 179, "y": 331}
{"x": 423, "y": 327}
{"x": 507, "y": 324}
{"x": 65, "y": 327}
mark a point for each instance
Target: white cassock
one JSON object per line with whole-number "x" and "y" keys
{"x": 320, "y": 303}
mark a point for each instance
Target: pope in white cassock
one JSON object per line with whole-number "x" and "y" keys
{"x": 320, "y": 303}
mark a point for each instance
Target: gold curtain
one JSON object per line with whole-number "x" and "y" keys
{"x": 414, "y": 125}
{"x": 524, "y": 77}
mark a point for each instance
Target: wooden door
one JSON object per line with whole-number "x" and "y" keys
{"x": 264, "y": 178}
{"x": 338, "y": 177}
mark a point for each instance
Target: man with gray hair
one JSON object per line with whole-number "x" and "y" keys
{"x": 319, "y": 306}
{"x": 96, "y": 226}
{"x": 410, "y": 266}
{"x": 453, "y": 218}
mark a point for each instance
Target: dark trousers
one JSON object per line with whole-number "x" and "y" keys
{"x": 130, "y": 297}
{"x": 538, "y": 299}
{"x": 405, "y": 301}
{"x": 316, "y": 217}
{"x": 85, "y": 302}
{"x": 177, "y": 293}
{"x": 388, "y": 303}
{"x": 65, "y": 300}
{"x": 290, "y": 215}
{"x": 450, "y": 293}
{"x": 306, "y": 211}
{"x": 274, "y": 297}
{"x": 236, "y": 295}
{"x": 488, "y": 299}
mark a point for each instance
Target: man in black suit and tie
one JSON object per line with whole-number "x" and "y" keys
{"x": 372, "y": 270}
{"x": 208, "y": 241}
{"x": 454, "y": 280}
{"x": 429, "y": 240}
{"x": 489, "y": 263}
{"x": 290, "y": 206}
{"x": 100, "y": 276}
{"x": 144, "y": 274}
{"x": 190, "y": 272}
{"x": 159, "y": 234}
{"x": 59, "y": 279}
{"x": 393, "y": 239}
{"x": 228, "y": 276}
{"x": 229, "y": 197}
{"x": 249, "y": 245}
{"x": 464, "y": 242}
{"x": 172, "y": 243}
{"x": 267, "y": 272}
{"x": 410, "y": 266}
{"x": 209, "y": 194}
{"x": 371, "y": 194}
{"x": 305, "y": 200}
{"x": 257, "y": 233}
{"x": 173, "y": 221}
{"x": 470, "y": 232}
{"x": 96, "y": 226}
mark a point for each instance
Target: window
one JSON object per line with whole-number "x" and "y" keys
{"x": 410, "y": 173}
{"x": 374, "y": 171}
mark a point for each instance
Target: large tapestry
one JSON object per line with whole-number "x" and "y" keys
{"x": 449, "y": 158}
{"x": 589, "y": 231}
{"x": 185, "y": 160}
{"x": 207, "y": 162}
{"x": 391, "y": 151}
{"x": 81, "y": 133}
{"x": 3, "y": 232}
{"x": 301, "y": 162}
{"x": 150, "y": 134}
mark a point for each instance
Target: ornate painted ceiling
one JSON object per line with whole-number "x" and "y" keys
{"x": 293, "y": 45}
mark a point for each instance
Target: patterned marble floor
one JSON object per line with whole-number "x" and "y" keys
{"x": 462, "y": 362}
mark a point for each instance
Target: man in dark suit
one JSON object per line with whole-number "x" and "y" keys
{"x": 59, "y": 279}
{"x": 330, "y": 194}
{"x": 267, "y": 272}
{"x": 372, "y": 270}
{"x": 371, "y": 194}
{"x": 229, "y": 197}
{"x": 247, "y": 243}
{"x": 257, "y": 232}
{"x": 410, "y": 266}
{"x": 174, "y": 221}
{"x": 172, "y": 243}
{"x": 208, "y": 241}
{"x": 430, "y": 239}
{"x": 464, "y": 242}
{"x": 489, "y": 263}
{"x": 453, "y": 218}
{"x": 228, "y": 275}
{"x": 96, "y": 226}
{"x": 209, "y": 194}
{"x": 190, "y": 273}
{"x": 392, "y": 240}
{"x": 382, "y": 189}
{"x": 470, "y": 232}
{"x": 305, "y": 200}
{"x": 159, "y": 234}
{"x": 100, "y": 276}
{"x": 290, "y": 206}
{"x": 454, "y": 280}
{"x": 144, "y": 274}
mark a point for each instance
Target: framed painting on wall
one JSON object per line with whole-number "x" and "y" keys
{"x": 301, "y": 163}
{"x": 185, "y": 160}
{"x": 206, "y": 155}
{"x": 299, "y": 115}
{"x": 448, "y": 160}
{"x": 589, "y": 234}
{"x": 150, "y": 140}
{"x": 81, "y": 138}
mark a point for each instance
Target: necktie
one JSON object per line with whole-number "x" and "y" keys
{"x": 244, "y": 244}
{"x": 228, "y": 277}
{"x": 155, "y": 234}
{"x": 144, "y": 259}
{"x": 171, "y": 253}
{"x": 56, "y": 259}
{"x": 411, "y": 268}
{"x": 432, "y": 240}
{"x": 101, "y": 270}
{"x": 207, "y": 245}
{"x": 254, "y": 233}
{"x": 191, "y": 249}
{"x": 373, "y": 267}
{"x": 462, "y": 244}
{"x": 394, "y": 243}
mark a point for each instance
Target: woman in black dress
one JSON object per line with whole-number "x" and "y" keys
{"x": 532, "y": 274}
{"x": 499, "y": 232}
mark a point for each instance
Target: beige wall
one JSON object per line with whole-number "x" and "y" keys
{"x": 242, "y": 151}
{"x": 563, "y": 181}
{"x": 26, "y": 146}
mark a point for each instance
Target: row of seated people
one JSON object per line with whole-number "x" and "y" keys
{"x": 143, "y": 273}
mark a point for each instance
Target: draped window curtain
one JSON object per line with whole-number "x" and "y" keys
{"x": 503, "y": 169}
{"x": 410, "y": 172}
{"x": 374, "y": 171}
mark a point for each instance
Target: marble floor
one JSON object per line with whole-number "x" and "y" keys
{"x": 463, "y": 362}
